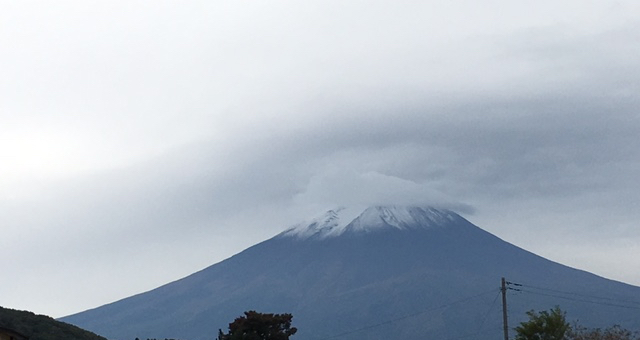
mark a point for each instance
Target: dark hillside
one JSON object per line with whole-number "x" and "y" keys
{"x": 42, "y": 327}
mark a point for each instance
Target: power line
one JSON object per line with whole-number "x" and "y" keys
{"x": 486, "y": 316}
{"x": 626, "y": 302}
{"x": 524, "y": 288}
{"x": 407, "y": 316}
{"x": 582, "y": 300}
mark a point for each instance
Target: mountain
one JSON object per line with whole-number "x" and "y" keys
{"x": 42, "y": 327}
{"x": 377, "y": 273}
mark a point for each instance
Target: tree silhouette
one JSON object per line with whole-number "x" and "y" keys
{"x": 546, "y": 325}
{"x": 612, "y": 333}
{"x": 259, "y": 326}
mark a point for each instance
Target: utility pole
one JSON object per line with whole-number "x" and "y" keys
{"x": 503, "y": 289}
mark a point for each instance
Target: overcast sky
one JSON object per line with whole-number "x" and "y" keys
{"x": 141, "y": 141}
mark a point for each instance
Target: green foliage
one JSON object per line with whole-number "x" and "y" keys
{"x": 546, "y": 325}
{"x": 552, "y": 325}
{"x": 612, "y": 333}
{"x": 41, "y": 327}
{"x": 259, "y": 326}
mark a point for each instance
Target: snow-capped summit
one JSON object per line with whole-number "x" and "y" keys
{"x": 336, "y": 222}
{"x": 331, "y": 223}
{"x": 400, "y": 217}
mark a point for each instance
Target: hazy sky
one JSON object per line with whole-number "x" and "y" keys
{"x": 141, "y": 141}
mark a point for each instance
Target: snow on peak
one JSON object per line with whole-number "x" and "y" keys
{"x": 401, "y": 217}
{"x": 336, "y": 222}
{"x": 331, "y": 223}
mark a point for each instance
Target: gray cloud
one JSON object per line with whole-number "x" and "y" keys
{"x": 146, "y": 142}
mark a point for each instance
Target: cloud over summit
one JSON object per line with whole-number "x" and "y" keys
{"x": 170, "y": 136}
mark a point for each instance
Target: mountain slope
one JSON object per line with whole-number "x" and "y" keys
{"x": 408, "y": 271}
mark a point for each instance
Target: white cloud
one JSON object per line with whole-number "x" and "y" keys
{"x": 346, "y": 187}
